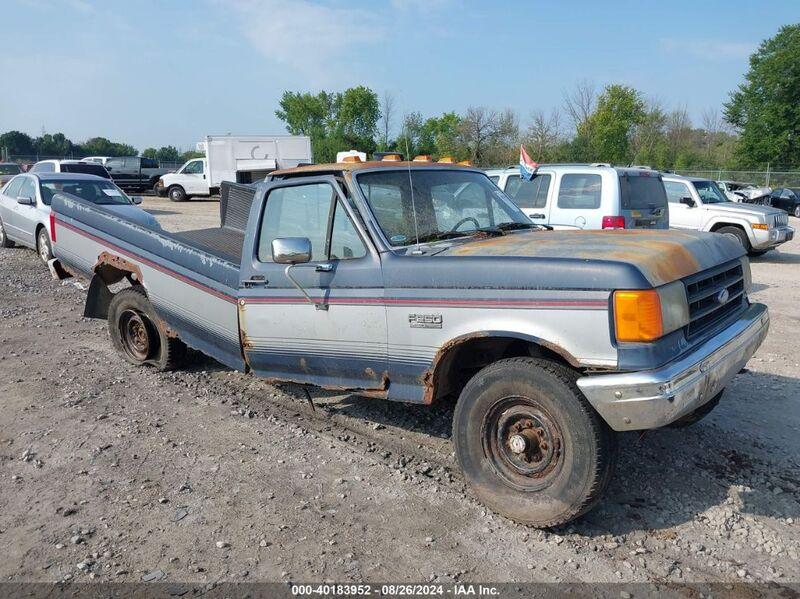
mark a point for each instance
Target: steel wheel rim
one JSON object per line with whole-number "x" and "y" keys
{"x": 136, "y": 335}
{"x": 523, "y": 443}
{"x": 174, "y": 194}
{"x": 797, "y": 211}
{"x": 2, "y": 234}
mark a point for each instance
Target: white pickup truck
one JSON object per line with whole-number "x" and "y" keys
{"x": 233, "y": 158}
{"x": 698, "y": 204}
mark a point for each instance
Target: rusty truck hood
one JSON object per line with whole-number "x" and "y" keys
{"x": 661, "y": 256}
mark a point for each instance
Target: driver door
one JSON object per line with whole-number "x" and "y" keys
{"x": 195, "y": 183}
{"x": 337, "y": 339}
{"x": 682, "y": 216}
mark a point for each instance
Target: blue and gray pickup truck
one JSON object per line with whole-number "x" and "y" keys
{"x": 420, "y": 281}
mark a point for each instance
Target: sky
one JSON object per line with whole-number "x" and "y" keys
{"x": 169, "y": 72}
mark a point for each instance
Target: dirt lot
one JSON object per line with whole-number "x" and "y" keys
{"x": 111, "y": 472}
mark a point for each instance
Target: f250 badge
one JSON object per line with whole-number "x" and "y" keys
{"x": 425, "y": 321}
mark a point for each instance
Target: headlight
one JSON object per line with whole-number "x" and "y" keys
{"x": 647, "y": 314}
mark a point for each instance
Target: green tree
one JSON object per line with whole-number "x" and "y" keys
{"x": 17, "y": 142}
{"x": 53, "y": 145}
{"x": 101, "y": 146}
{"x": 168, "y": 154}
{"x": 334, "y": 121}
{"x": 610, "y": 128}
{"x": 150, "y": 153}
{"x": 766, "y": 107}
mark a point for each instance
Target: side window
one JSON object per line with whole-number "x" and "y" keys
{"x": 345, "y": 241}
{"x": 194, "y": 168}
{"x": 298, "y": 211}
{"x": 676, "y": 191}
{"x": 495, "y": 179}
{"x": 131, "y": 163}
{"x": 115, "y": 163}
{"x": 28, "y": 189}
{"x": 12, "y": 189}
{"x": 43, "y": 167}
{"x": 529, "y": 194}
{"x": 580, "y": 191}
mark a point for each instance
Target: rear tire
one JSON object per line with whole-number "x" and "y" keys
{"x": 796, "y": 211}
{"x": 176, "y": 193}
{"x": 5, "y": 242}
{"x": 737, "y": 234}
{"x": 530, "y": 445}
{"x": 43, "y": 247}
{"x": 135, "y": 334}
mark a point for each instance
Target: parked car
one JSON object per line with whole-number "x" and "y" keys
{"x": 698, "y": 204}
{"x": 736, "y": 191}
{"x": 584, "y": 196}
{"x": 788, "y": 199}
{"x": 69, "y": 166}
{"x": 7, "y": 171}
{"x": 235, "y": 158}
{"x": 135, "y": 172}
{"x": 25, "y": 215}
{"x": 341, "y": 276}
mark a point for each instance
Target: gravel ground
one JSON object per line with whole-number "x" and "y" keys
{"x": 111, "y": 472}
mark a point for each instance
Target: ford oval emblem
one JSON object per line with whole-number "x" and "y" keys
{"x": 723, "y": 296}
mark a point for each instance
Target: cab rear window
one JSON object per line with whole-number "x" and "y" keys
{"x": 85, "y": 168}
{"x": 640, "y": 192}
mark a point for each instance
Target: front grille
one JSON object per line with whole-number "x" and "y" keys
{"x": 780, "y": 220}
{"x": 705, "y": 292}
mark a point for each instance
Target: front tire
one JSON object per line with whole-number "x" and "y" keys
{"x": 5, "y": 242}
{"x": 737, "y": 234}
{"x": 176, "y": 193}
{"x": 135, "y": 334}
{"x": 796, "y": 211}
{"x": 43, "y": 247}
{"x": 530, "y": 445}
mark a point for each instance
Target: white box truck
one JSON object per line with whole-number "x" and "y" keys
{"x": 235, "y": 158}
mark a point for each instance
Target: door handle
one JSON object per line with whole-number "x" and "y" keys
{"x": 254, "y": 282}
{"x": 536, "y": 216}
{"x": 324, "y": 267}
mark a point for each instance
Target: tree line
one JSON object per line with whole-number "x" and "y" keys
{"x": 758, "y": 125}
{"x": 58, "y": 145}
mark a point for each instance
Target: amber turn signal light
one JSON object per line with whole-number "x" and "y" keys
{"x": 637, "y": 315}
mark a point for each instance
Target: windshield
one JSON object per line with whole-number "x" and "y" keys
{"x": 709, "y": 192}
{"x": 9, "y": 169}
{"x": 94, "y": 191}
{"x": 447, "y": 203}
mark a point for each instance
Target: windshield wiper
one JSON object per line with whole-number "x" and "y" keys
{"x": 440, "y": 235}
{"x": 516, "y": 226}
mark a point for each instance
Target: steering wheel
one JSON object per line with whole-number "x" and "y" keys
{"x": 465, "y": 219}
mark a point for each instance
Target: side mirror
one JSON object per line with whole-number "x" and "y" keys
{"x": 688, "y": 202}
{"x": 25, "y": 201}
{"x": 137, "y": 200}
{"x": 291, "y": 250}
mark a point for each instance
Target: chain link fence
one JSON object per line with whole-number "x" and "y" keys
{"x": 29, "y": 159}
{"x": 767, "y": 178}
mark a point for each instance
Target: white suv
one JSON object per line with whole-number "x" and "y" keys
{"x": 700, "y": 205}
{"x": 588, "y": 196}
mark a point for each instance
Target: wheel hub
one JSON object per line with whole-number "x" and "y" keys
{"x": 136, "y": 337}
{"x": 522, "y": 442}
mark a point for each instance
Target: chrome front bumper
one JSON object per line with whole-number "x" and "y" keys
{"x": 655, "y": 398}
{"x": 772, "y": 237}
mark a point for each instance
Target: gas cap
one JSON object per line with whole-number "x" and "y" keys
{"x": 580, "y": 222}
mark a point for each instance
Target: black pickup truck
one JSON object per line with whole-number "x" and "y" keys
{"x": 135, "y": 173}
